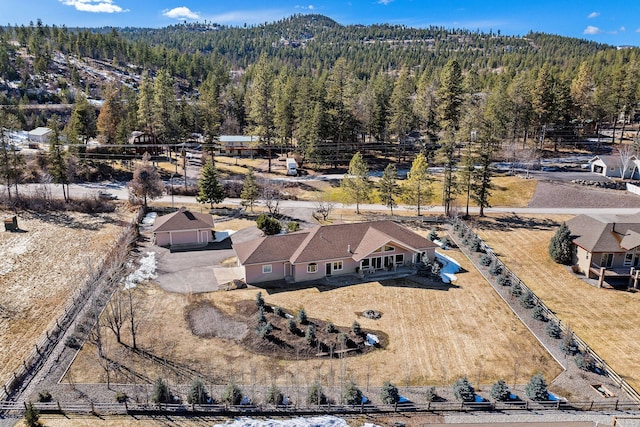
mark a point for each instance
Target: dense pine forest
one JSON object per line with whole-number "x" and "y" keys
{"x": 319, "y": 88}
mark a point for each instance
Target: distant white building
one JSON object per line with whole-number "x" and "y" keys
{"x": 238, "y": 145}
{"x": 611, "y": 167}
{"x": 40, "y": 135}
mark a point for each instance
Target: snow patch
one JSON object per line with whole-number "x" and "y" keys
{"x": 149, "y": 219}
{"x": 146, "y": 271}
{"x": 323, "y": 421}
{"x": 449, "y": 267}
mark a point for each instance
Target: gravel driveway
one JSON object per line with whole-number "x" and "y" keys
{"x": 565, "y": 195}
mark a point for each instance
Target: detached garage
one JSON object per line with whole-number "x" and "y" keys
{"x": 183, "y": 228}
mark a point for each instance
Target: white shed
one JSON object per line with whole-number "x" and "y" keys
{"x": 40, "y": 135}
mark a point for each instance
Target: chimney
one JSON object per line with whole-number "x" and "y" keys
{"x": 349, "y": 248}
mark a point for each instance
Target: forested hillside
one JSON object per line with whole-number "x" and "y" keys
{"x": 324, "y": 89}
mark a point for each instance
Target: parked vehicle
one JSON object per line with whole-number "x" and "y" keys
{"x": 292, "y": 167}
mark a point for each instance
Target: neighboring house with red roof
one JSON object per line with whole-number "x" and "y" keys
{"x": 331, "y": 250}
{"x": 606, "y": 246}
{"x": 183, "y": 227}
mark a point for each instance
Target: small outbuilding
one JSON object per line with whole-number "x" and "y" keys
{"x": 40, "y": 135}
{"x": 611, "y": 166}
{"x": 183, "y": 227}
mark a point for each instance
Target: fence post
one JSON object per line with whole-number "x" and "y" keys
{"x": 59, "y": 408}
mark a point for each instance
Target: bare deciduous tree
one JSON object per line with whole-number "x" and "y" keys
{"x": 625, "y": 152}
{"x": 115, "y": 315}
{"x": 324, "y": 206}
{"x": 134, "y": 319}
{"x": 271, "y": 195}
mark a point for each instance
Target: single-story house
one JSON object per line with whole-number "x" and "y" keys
{"x": 611, "y": 166}
{"x": 183, "y": 227}
{"x": 606, "y": 245}
{"x": 331, "y": 250}
{"x": 40, "y": 135}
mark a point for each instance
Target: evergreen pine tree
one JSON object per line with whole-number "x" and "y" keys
{"x": 389, "y": 393}
{"x": 198, "y": 392}
{"x": 536, "y": 389}
{"x": 500, "y": 391}
{"x": 356, "y": 183}
{"x": 388, "y": 186}
{"x": 560, "y": 246}
{"x": 418, "y": 188}
{"x": 250, "y": 190}
{"x": 210, "y": 190}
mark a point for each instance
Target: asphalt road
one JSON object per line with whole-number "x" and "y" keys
{"x": 301, "y": 208}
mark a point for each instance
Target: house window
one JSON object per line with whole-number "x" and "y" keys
{"x": 378, "y": 250}
{"x": 266, "y": 269}
{"x": 606, "y": 260}
{"x": 628, "y": 259}
{"x": 365, "y": 262}
{"x": 312, "y": 268}
{"x": 388, "y": 248}
{"x": 337, "y": 265}
{"x": 400, "y": 259}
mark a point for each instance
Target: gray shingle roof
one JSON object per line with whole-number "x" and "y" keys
{"x": 330, "y": 242}
{"x": 605, "y": 233}
{"x": 182, "y": 220}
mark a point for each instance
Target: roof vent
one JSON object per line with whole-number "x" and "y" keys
{"x": 349, "y": 248}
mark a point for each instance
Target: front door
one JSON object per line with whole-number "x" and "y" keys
{"x": 327, "y": 268}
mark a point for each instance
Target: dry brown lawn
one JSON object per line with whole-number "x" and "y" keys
{"x": 435, "y": 336}
{"x": 605, "y": 319}
{"x": 40, "y": 269}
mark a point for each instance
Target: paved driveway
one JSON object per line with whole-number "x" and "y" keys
{"x": 199, "y": 270}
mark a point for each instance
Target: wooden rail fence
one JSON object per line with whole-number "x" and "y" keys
{"x": 48, "y": 341}
{"x": 550, "y": 315}
{"x": 130, "y": 408}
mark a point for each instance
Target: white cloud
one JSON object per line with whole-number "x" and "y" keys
{"x": 637, "y": 30}
{"x": 592, "y": 30}
{"x": 247, "y": 17}
{"x": 309, "y": 7}
{"x": 96, "y": 6}
{"x": 593, "y": 15}
{"x": 384, "y": 2}
{"x": 181, "y": 12}
{"x": 622, "y": 29}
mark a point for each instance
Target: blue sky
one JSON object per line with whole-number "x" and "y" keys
{"x": 615, "y": 22}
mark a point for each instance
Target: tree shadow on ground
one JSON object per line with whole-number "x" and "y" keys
{"x": 515, "y": 222}
{"x": 64, "y": 219}
{"x": 417, "y": 282}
